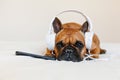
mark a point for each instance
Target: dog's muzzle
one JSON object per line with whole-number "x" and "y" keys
{"x": 69, "y": 53}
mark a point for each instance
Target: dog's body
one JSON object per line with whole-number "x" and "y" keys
{"x": 70, "y": 42}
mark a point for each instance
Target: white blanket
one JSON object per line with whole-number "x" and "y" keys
{"x": 26, "y": 68}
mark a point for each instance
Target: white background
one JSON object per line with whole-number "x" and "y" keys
{"x": 28, "y": 20}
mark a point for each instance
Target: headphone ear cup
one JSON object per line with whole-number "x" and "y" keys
{"x": 51, "y": 41}
{"x": 88, "y": 39}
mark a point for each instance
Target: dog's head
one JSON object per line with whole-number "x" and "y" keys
{"x": 69, "y": 40}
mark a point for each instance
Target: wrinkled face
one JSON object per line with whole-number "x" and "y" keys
{"x": 70, "y": 43}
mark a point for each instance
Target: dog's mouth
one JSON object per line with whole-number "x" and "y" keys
{"x": 69, "y": 53}
{"x": 74, "y": 59}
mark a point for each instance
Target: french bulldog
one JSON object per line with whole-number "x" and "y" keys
{"x": 70, "y": 42}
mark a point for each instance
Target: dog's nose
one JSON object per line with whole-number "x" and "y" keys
{"x": 69, "y": 52}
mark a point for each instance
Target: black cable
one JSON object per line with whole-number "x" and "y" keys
{"x": 19, "y": 53}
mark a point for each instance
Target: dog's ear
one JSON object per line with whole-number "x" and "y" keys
{"x": 85, "y": 27}
{"x": 57, "y": 25}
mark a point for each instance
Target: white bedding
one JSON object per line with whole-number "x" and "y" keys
{"x": 26, "y": 68}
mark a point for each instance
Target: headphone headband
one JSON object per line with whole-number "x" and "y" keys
{"x": 85, "y": 16}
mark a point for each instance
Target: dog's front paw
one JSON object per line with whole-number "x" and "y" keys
{"x": 102, "y": 51}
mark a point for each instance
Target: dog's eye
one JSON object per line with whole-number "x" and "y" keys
{"x": 60, "y": 45}
{"x": 79, "y": 44}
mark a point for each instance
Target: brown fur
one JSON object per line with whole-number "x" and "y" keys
{"x": 70, "y": 33}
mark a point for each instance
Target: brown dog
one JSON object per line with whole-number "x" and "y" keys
{"x": 70, "y": 42}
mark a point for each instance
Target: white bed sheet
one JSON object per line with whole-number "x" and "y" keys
{"x": 26, "y": 68}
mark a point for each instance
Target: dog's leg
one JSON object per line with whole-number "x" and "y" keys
{"x": 95, "y": 49}
{"x": 95, "y": 53}
{"x": 102, "y": 51}
{"x": 49, "y": 53}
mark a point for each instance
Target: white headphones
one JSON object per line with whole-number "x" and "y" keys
{"x": 50, "y": 39}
